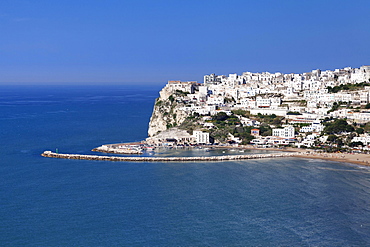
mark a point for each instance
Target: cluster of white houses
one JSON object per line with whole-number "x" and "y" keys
{"x": 267, "y": 93}
{"x": 273, "y": 93}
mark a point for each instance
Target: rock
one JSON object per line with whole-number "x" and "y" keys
{"x": 166, "y": 113}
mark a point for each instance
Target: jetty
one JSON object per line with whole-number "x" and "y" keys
{"x": 51, "y": 154}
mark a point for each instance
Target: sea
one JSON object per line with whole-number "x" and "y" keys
{"x": 58, "y": 202}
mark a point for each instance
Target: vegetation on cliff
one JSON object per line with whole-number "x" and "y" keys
{"x": 169, "y": 109}
{"x": 337, "y": 126}
{"x": 347, "y": 86}
{"x": 166, "y": 114}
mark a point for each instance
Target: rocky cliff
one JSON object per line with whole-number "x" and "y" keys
{"x": 166, "y": 112}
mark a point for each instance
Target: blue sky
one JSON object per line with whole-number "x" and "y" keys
{"x": 147, "y": 41}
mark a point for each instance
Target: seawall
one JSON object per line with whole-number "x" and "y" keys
{"x": 162, "y": 159}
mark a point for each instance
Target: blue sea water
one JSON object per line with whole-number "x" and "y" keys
{"x": 56, "y": 202}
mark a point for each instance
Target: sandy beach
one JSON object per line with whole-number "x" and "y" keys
{"x": 359, "y": 159}
{"x": 354, "y": 158}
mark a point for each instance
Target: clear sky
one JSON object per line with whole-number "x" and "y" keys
{"x": 152, "y": 41}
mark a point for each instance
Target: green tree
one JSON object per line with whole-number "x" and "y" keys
{"x": 360, "y": 131}
{"x": 277, "y": 121}
{"x": 265, "y": 130}
{"x": 338, "y": 126}
{"x": 347, "y": 86}
{"x": 339, "y": 142}
{"x": 355, "y": 144}
{"x": 240, "y": 112}
{"x": 171, "y": 98}
{"x": 367, "y": 127}
{"x": 293, "y": 113}
{"x": 331, "y": 138}
{"x": 221, "y": 116}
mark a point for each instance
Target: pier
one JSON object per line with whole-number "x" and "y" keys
{"x": 51, "y": 154}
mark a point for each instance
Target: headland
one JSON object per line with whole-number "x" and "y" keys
{"x": 324, "y": 114}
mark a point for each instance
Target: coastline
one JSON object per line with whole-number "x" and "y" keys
{"x": 353, "y": 158}
{"x": 358, "y": 159}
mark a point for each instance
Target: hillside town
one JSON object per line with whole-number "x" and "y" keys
{"x": 317, "y": 109}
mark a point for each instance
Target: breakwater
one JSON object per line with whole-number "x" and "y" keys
{"x": 51, "y": 154}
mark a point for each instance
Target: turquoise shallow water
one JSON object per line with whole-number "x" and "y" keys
{"x": 53, "y": 202}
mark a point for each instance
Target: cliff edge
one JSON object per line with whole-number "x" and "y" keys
{"x": 167, "y": 112}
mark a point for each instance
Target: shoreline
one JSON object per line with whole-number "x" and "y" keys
{"x": 357, "y": 159}
{"x": 353, "y": 158}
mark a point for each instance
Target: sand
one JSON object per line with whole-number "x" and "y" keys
{"x": 354, "y": 158}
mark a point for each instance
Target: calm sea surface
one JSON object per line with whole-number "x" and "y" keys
{"x": 55, "y": 202}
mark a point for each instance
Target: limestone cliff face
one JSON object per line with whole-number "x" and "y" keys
{"x": 166, "y": 113}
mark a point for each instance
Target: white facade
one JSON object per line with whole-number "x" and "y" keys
{"x": 263, "y": 103}
{"x": 316, "y": 126}
{"x": 277, "y": 112}
{"x": 203, "y": 90}
{"x": 215, "y": 99}
{"x": 286, "y": 132}
{"x": 201, "y": 137}
{"x": 303, "y": 118}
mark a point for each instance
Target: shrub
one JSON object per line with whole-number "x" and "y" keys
{"x": 171, "y": 98}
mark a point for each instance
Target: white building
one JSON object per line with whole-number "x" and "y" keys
{"x": 247, "y": 103}
{"x": 172, "y": 86}
{"x": 286, "y": 132}
{"x": 215, "y": 100}
{"x": 278, "y": 112}
{"x": 203, "y": 90}
{"x": 249, "y": 122}
{"x": 308, "y": 141}
{"x": 263, "y": 103}
{"x": 201, "y": 137}
{"x": 303, "y": 118}
{"x": 316, "y": 126}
